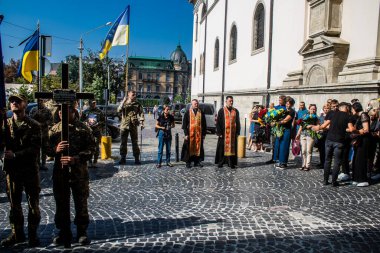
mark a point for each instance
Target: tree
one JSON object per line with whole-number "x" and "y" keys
{"x": 96, "y": 87}
{"x": 188, "y": 96}
{"x": 178, "y": 99}
{"x": 10, "y": 72}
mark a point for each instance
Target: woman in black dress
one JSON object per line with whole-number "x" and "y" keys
{"x": 360, "y": 142}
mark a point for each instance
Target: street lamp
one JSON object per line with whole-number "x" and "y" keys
{"x": 81, "y": 59}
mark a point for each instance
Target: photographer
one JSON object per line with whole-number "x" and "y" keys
{"x": 165, "y": 123}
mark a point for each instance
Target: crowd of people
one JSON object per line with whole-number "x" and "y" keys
{"x": 346, "y": 134}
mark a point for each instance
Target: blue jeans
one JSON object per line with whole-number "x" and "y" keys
{"x": 333, "y": 149}
{"x": 281, "y": 147}
{"x": 161, "y": 142}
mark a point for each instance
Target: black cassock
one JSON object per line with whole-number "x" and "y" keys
{"x": 220, "y": 159}
{"x": 185, "y": 154}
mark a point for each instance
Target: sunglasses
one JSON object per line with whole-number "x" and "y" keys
{"x": 17, "y": 101}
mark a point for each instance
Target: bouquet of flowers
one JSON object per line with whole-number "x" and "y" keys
{"x": 307, "y": 120}
{"x": 261, "y": 116}
{"x": 274, "y": 116}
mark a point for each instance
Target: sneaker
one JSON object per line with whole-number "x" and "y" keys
{"x": 281, "y": 166}
{"x": 344, "y": 177}
{"x": 269, "y": 162}
{"x": 354, "y": 183}
{"x": 169, "y": 165}
{"x": 362, "y": 184}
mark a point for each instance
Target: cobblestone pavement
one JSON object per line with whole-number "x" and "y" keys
{"x": 254, "y": 208}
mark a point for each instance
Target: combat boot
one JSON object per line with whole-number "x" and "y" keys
{"x": 14, "y": 238}
{"x": 33, "y": 239}
{"x": 122, "y": 161}
{"x": 137, "y": 161}
{"x": 82, "y": 235}
{"x": 64, "y": 238}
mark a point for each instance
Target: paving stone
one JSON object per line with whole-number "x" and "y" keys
{"x": 254, "y": 208}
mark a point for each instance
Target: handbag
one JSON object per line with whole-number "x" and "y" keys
{"x": 296, "y": 147}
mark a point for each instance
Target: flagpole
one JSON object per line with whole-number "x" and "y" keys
{"x": 127, "y": 57}
{"x": 39, "y": 75}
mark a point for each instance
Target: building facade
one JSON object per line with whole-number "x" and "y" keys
{"x": 311, "y": 50}
{"x": 157, "y": 78}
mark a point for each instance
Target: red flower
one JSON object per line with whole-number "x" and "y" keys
{"x": 262, "y": 113}
{"x": 299, "y": 122}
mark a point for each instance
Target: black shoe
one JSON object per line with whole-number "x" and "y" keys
{"x": 198, "y": 165}
{"x": 220, "y": 165}
{"x": 158, "y": 166}
{"x": 335, "y": 184}
{"x": 281, "y": 166}
{"x": 34, "y": 242}
{"x": 326, "y": 182}
{"x": 188, "y": 165}
{"x": 169, "y": 165}
{"x": 12, "y": 240}
{"x": 269, "y": 162}
{"x": 122, "y": 161}
{"x": 233, "y": 166}
{"x": 137, "y": 162}
{"x": 63, "y": 239}
{"x": 83, "y": 240}
{"x": 95, "y": 160}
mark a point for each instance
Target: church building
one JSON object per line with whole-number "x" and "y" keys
{"x": 311, "y": 50}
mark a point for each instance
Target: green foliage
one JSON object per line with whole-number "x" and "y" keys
{"x": 188, "y": 96}
{"x": 178, "y": 99}
{"x": 149, "y": 102}
{"x": 96, "y": 87}
{"x": 24, "y": 90}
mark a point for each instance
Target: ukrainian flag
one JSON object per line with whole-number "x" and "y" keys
{"x": 118, "y": 35}
{"x": 29, "y": 60}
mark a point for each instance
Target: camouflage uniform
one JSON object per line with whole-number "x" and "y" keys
{"x": 94, "y": 118}
{"x": 45, "y": 118}
{"x": 76, "y": 178}
{"x": 132, "y": 115}
{"x": 22, "y": 174}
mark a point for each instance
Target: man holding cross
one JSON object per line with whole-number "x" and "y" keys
{"x": 70, "y": 173}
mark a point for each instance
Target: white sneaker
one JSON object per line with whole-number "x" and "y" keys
{"x": 340, "y": 176}
{"x": 362, "y": 184}
{"x": 345, "y": 177}
{"x": 376, "y": 177}
{"x": 354, "y": 183}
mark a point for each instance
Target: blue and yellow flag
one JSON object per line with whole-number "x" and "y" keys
{"x": 118, "y": 35}
{"x": 29, "y": 60}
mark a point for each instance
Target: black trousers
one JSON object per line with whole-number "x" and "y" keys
{"x": 333, "y": 149}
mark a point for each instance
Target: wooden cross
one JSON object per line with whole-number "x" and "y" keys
{"x": 64, "y": 97}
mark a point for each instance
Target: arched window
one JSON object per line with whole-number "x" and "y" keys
{"x": 201, "y": 65}
{"x": 195, "y": 67}
{"x": 258, "y": 27}
{"x": 233, "y": 43}
{"x": 196, "y": 27}
{"x": 216, "y": 54}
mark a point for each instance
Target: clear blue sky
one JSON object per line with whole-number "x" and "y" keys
{"x": 156, "y": 26}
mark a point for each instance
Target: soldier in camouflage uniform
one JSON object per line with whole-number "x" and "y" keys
{"x": 132, "y": 116}
{"x": 76, "y": 178}
{"x": 23, "y": 141}
{"x": 94, "y": 118}
{"x": 43, "y": 116}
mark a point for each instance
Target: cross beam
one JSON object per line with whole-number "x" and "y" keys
{"x": 64, "y": 97}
